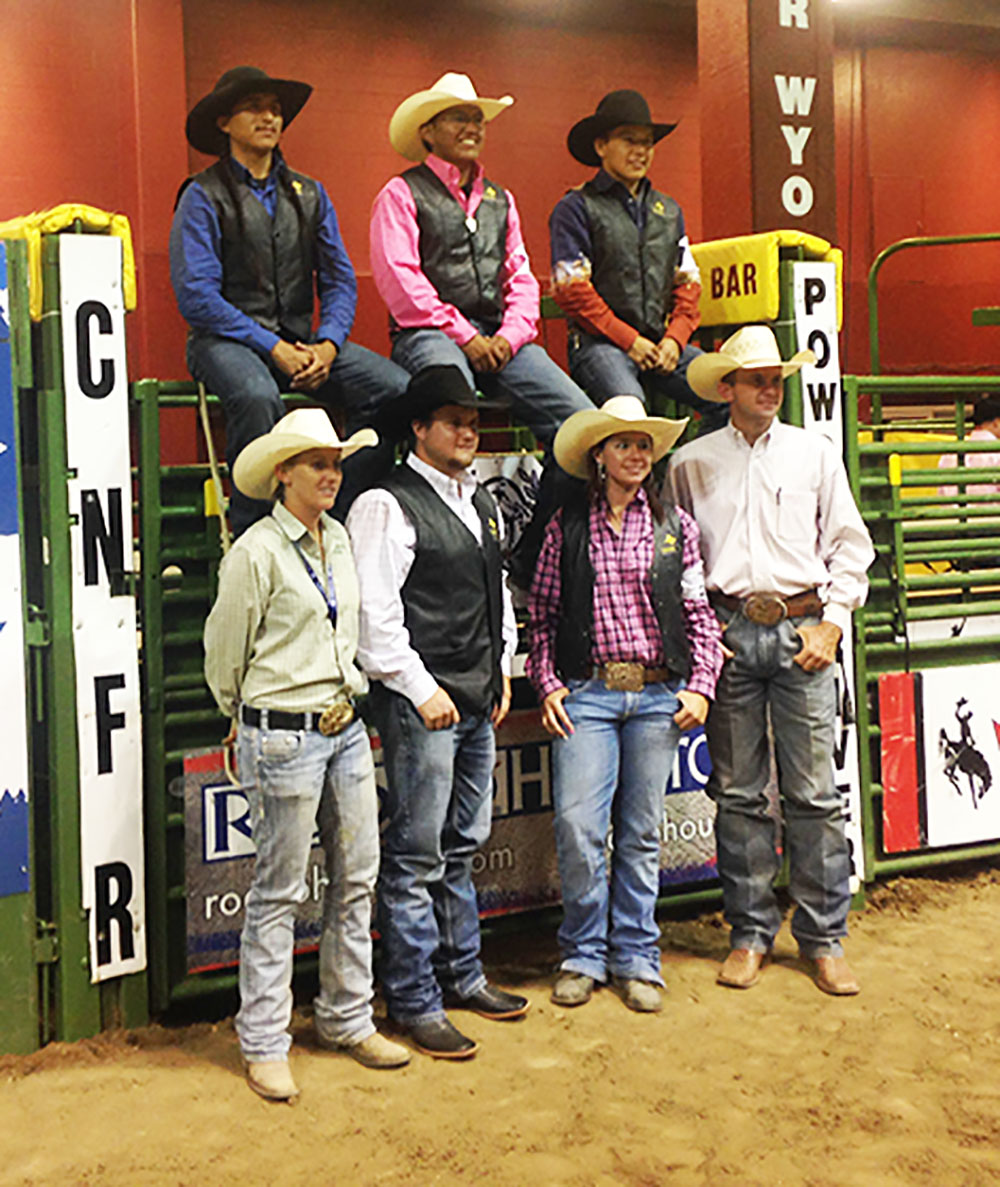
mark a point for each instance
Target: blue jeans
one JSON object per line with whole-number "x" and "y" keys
{"x": 437, "y": 812}
{"x": 604, "y": 370}
{"x": 541, "y": 393}
{"x": 761, "y": 681}
{"x": 296, "y": 777}
{"x": 612, "y": 769}
{"x": 250, "y": 389}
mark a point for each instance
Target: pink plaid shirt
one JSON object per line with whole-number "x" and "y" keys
{"x": 625, "y": 624}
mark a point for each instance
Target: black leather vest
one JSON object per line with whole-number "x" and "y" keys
{"x": 574, "y": 634}
{"x": 463, "y": 264}
{"x": 452, "y": 594}
{"x": 267, "y": 265}
{"x": 634, "y": 273}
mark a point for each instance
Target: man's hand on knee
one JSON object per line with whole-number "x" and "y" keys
{"x": 316, "y": 372}
{"x": 644, "y": 352}
{"x": 290, "y": 357}
{"x": 502, "y": 353}
{"x": 438, "y": 711}
{"x": 479, "y": 352}
{"x": 819, "y": 646}
{"x": 668, "y": 355}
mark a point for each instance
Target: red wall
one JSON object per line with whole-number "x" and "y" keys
{"x": 95, "y": 97}
{"x": 362, "y": 63}
{"x": 918, "y": 134}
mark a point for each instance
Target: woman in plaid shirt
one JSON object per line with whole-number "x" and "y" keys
{"x": 625, "y": 653}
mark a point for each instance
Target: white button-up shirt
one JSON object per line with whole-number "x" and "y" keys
{"x": 384, "y": 543}
{"x": 776, "y": 516}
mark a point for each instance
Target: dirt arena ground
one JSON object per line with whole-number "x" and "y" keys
{"x": 776, "y": 1085}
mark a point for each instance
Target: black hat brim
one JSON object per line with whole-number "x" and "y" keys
{"x": 202, "y": 128}
{"x": 580, "y": 140}
{"x": 424, "y": 395}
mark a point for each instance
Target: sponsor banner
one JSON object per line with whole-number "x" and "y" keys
{"x": 14, "y": 875}
{"x": 814, "y": 301}
{"x": 815, "y": 310}
{"x": 846, "y": 768}
{"x": 901, "y": 759}
{"x": 961, "y": 749}
{"x": 104, "y": 621}
{"x": 976, "y": 626}
{"x": 515, "y": 871}
{"x": 940, "y": 757}
{"x": 512, "y": 479}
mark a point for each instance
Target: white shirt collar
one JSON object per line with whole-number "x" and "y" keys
{"x": 461, "y": 487}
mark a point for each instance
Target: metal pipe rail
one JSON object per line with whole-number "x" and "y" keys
{"x": 893, "y": 249}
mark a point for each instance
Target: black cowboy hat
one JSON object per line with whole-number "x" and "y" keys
{"x": 203, "y": 131}
{"x": 614, "y": 110}
{"x": 428, "y": 390}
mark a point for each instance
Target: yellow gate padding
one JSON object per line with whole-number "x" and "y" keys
{"x": 31, "y": 227}
{"x": 739, "y": 276}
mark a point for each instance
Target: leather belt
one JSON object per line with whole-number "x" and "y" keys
{"x": 768, "y": 609}
{"x": 328, "y": 721}
{"x": 620, "y": 676}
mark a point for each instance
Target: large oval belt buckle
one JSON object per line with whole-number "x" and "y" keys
{"x": 335, "y": 718}
{"x": 621, "y": 676}
{"x": 767, "y": 609}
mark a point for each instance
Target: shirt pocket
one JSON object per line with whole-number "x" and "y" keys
{"x": 798, "y": 517}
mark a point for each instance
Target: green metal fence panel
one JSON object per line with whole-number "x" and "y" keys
{"x": 937, "y": 560}
{"x": 181, "y": 550}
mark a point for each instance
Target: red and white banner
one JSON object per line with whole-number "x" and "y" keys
{"x": 940, "y": 757}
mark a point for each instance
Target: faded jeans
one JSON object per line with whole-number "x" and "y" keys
{"x": 250, "y": 389}
{"x": 296, "y": 779}
{"x": 437, "y": 809}
{"x": 612, "y": 769}
{"x": 604, "y": 370}
{"x": 763, "y": 680}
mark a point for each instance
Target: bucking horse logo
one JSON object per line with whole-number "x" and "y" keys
{"x": 962, "y": 757}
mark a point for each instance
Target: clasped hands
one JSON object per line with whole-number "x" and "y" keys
{"x": 488, "y": 354}
{"x": 308, "y": 363}
{"x": 660, "y": 356}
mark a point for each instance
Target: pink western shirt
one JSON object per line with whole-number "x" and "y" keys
{"x": 410, "y": 297}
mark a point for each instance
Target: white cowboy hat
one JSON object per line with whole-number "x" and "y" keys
{"x": 753, "y": 346}
{"x": 450, "y": 90}
{"x": 305, "y": 428}
{"x": 579, "y": 433}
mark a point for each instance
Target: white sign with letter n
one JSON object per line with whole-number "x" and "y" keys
{"x": 104, "y": 621}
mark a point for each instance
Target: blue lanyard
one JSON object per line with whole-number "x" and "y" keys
{"x": 329, "y": 594}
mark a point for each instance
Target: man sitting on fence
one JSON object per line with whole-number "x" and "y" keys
{"x": 622, "y": 267}
{"x": 450, "y": 263}
{"x": 250, "y": 244}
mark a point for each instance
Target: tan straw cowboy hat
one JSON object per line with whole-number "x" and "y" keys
{"x": 753, "y": 346}
{"x": 305, "y": 428}
{"x": 579, "y": 433}
{"x": 450, "y": 90}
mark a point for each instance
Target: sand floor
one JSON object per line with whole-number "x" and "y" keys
{"x": 775, "y": 1085}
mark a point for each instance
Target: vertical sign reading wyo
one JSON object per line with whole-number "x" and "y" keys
{"x": 104, "y": 623}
